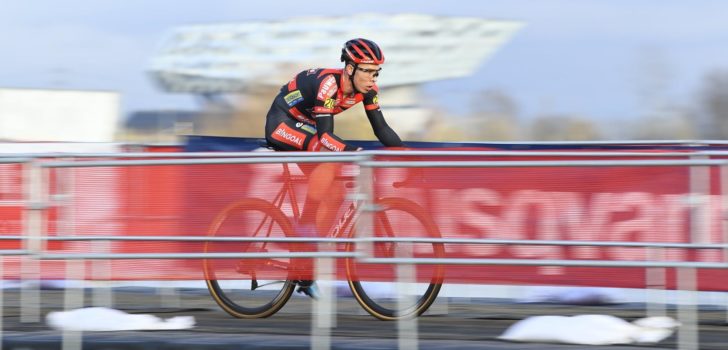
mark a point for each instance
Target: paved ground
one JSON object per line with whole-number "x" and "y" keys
{"x": 459, "y": 324}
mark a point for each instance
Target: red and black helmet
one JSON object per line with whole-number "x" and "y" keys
{"x": 362, "y": 51}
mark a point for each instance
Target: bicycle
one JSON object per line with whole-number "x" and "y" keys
{"x": 240, "y": 292}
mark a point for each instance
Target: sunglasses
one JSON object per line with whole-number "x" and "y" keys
{"x": 371, "y": 72}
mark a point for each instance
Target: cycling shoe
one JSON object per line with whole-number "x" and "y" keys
{"x": 308, "y": 288}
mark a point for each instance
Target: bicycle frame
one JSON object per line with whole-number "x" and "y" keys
{"x": 347, "y": 216}
{"x": 287, "y": 190}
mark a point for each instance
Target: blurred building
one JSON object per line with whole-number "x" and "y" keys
{"x": 58, "y": 115}
{"x": 251, "y": 60}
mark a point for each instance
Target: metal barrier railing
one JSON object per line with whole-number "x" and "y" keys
{"x": 25, "y": 157}
{"x": 687, "y": 336}
{"x": 37, "y": 202}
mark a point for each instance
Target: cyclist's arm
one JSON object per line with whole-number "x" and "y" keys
{"x": 384, "y": 133}
{"x": 325, "y": 129}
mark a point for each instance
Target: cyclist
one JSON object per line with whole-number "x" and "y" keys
{"x": 301, "y": 118}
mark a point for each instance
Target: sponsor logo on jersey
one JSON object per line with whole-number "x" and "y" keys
{"x": 293, "y": 97}
{"x": 373, "y": 105}
{"x": 308, "y": 128}
{"x": 327, "y": 89}
{"x": 321, "y": 109}
{"x": 332, "y": 144}
{"x": 330, "y": 103}
{"x": 350, "y": 101}
{"x": 287, "y": 135}
{"x": 311, "y": 71}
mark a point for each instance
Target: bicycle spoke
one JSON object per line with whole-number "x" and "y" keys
{"x": 249, "y": 288}
{"x": 376, "y": 287}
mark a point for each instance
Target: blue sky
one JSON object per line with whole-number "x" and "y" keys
{"x": 595, "y": 58}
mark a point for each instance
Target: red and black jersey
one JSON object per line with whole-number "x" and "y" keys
{"x": 318, "y": 92}
{"x": 302, "y": 115}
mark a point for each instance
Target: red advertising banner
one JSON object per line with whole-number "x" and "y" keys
{"x": 620, "y": 204}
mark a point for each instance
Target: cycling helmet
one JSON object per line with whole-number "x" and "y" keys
{"x": 362, "y": 51}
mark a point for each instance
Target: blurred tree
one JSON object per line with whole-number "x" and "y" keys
{"x": 662, "y": 118}
{"x": 654, "y": 79}
{"x": 442, "y": 128}
{"x": 494, "y": 101}
{"x": 242, "y": 116}
{"x": 250, "y": 112}
{"x": 563, "y": 128}
{"x": 713, "y": 103}
{"x": 665, "y": 124}
{"x": 493, "y": 117}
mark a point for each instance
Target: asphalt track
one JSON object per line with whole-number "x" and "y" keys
{"x": 457, "y": 324}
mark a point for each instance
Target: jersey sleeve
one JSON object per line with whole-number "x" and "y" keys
{"x": 326, "y": 95}
{"x": 371, "y": 99}
{"x": 384, "y": 133}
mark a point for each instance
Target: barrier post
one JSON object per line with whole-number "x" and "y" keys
{"x": 37, "y": 184}
{"x": 406, "y": 283}
{"x": 2, "y": 297}
{"x": 102, "y": 294}
{"x": 169, "y": 296}
{"x": 687, "y": 335}
{"x": 365, "y": 224}
{"x": 73, "y": 298}
{"x": 324, "y": 311}
{"x": 656, "y": 278}
{"x": 407, "y": 326}
{"x": 724, "y": 217}
{"x": 699, "y": 182}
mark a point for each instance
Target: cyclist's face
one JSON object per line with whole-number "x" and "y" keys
{"x": 365, "y": 76}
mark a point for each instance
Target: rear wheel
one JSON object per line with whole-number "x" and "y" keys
{"x": 375, "y": 286}
{"x": 249, "y": 288}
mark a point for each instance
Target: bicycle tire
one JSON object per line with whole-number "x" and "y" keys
{"x": 228, "y": 299}
{"x": 379, "y": 309}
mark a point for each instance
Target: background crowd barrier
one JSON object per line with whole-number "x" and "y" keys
{"x": 632, "y": 218}
{"x": 582, "y": 202}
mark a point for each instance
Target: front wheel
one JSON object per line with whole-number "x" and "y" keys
{"x": 375, "y": 286}
{"x": 249, "y": 288}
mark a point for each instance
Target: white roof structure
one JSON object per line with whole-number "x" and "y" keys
{"x": 224, "y": 58}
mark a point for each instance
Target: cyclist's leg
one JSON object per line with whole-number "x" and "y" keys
{"x": 323, "y": 199}
{"x": 286, "y": 134}
{"x": 330, "y": 194}
{"x": 324, "y": 195}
